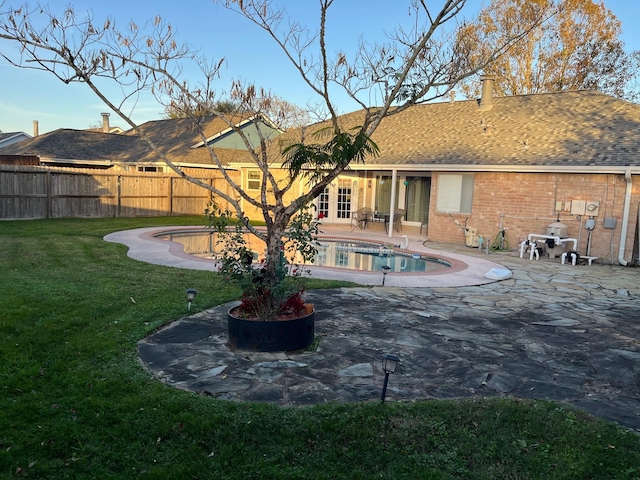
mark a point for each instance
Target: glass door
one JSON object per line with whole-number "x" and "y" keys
{"x": 335, "y": 202}
{"x": 343, "y": 200}
{"x": 383, "y": 194}
{"x": 417, "y": 196}
{"x": 323, "y": 204}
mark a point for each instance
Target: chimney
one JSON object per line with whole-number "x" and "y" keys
{"x": 36, "y": 132}
{"x": 105, "y": 123}
{"x": 452, "y": 96}
{"x": 487, "y": 92}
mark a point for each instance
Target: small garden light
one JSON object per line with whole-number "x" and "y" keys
{"x": 389, "y": 364}
{"x": 191, "y": 294}
{"x": 385, "y": 269}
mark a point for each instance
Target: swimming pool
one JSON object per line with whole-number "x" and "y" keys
{"x": 333, "y": 252}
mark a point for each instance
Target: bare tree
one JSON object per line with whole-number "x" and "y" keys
{"x": 578, "y": 47}
{"x": 419, "y": 62}
{"x": 228, "y": 107}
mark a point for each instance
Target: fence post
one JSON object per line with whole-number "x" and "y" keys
{"x": 118, "y": 193}
{"x": 49, "y": 201}
{"x": 170, "y": 195}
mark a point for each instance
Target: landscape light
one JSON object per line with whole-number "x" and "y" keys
{"x": 191, "y": 294}
{"x": 389, "y": 364}
{"x": 385, "y": 269}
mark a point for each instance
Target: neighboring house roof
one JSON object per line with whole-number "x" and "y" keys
{"x": 73, "y": 146}
{"x": 179, "y": 139}
{"x": 9, "y": 138}
{"x": 229, "y": 137}
{"x": 543, "y": 131}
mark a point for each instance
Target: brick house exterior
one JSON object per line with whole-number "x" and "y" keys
{"x": 520, "y": 162}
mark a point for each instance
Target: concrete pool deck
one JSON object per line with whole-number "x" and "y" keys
{"x": 466, "y": 270}
{"x": 557, "y": 332}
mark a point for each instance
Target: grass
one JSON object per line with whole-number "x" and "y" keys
{"x": 75, "y": 402}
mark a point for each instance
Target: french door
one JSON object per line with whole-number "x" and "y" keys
{"x": 335, "y": 202}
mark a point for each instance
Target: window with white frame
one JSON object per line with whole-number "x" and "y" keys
{"x": 148, "y": 168}
{"x": 253, "y": 180}
{"x": 455, "y": 193}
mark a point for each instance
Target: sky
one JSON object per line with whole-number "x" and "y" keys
{"x": 27, "y": 95}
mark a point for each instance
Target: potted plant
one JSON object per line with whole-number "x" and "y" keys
{"x": 272, "y": 314}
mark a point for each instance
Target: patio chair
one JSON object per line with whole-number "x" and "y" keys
{"x": 360, "y": 218}
{"x": 425, "y": 224}
{"x": 397, "y": 219}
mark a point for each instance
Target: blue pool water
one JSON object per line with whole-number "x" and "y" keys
{"x": 332, "y": 252}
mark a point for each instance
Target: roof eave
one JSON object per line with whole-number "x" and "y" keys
{"x": 75, "y": 161}
{"x": 202, "y": 165}
{"x": 425, "y": 167}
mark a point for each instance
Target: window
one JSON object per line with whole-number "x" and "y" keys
{"x": 455, "y": 193}
{"x": 253, "y": 180}
{"x": 147, "y": 168}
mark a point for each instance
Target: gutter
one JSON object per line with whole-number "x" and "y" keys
{"x": 426, "y": 167}
{"x": 625, "y": 217}
{"x": 52, "y": 161}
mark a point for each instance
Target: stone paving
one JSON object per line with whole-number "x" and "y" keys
{"x": 559, "y": 332}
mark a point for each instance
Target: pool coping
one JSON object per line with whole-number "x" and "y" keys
{"x": 466, "y": 270}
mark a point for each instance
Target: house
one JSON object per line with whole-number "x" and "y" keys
{"x": 180, "y": 140}
{"x": 91, "y": 174}
{"x": 514, "y": 164}
{"x": 499, "y": 164}
{"x": 9, "y": 138}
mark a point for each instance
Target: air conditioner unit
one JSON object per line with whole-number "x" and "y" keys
{"x": 592, "y": 208}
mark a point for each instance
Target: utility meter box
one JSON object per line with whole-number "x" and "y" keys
{"x": 610, "y": 222}
{"x": 592, "y": 208}
{"x": 578, "y": 207}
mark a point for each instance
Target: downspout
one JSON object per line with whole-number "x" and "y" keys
{"x": 392, "y": 207}
{"x": 625, "y": 217}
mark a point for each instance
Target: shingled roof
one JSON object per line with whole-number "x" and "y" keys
{"x": 67, "y": 144}
{"x": 9, "y": 138}
{"x": 570, "y": 130}
{"x": 565, "y": 129}
{"x": 175, "y": 137}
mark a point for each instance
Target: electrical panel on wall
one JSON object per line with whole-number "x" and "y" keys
{"x": 578, "y": 207}
{"x": 592, "y": 208}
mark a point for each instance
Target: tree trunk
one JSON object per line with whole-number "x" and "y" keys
{"x": 274, "y": 261}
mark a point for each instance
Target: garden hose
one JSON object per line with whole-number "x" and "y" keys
{"x": 500, "y": 242}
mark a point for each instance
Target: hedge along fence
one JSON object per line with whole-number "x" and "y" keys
{"x": 44, "y": 192}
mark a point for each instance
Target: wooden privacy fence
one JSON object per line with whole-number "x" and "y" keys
{"x": 42, "y": 192}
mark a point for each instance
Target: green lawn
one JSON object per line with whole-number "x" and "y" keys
{"x": 75, "y": 402}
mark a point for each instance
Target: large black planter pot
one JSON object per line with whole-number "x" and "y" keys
{"x": 270, "y": 336}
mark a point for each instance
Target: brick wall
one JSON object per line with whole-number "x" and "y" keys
{"x": 525, "y": 203}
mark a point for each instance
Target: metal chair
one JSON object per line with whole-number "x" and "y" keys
{"x": 425, "y": 224}
{"x": 360, "y": 218}
{"x": 397, "y": 219}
